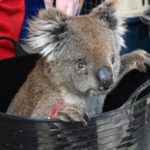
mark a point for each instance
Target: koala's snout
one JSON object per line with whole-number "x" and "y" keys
{"x": 105, "y": 78}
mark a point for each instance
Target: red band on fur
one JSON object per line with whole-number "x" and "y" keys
{"x": 53, "y": 113}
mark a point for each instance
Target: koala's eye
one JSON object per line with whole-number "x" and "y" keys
{"x": 81, "y": 66}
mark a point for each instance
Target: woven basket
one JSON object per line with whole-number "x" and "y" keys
{"x": 124, "y": 128}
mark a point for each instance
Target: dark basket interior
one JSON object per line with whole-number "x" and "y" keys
{"x": 124, "y": 125}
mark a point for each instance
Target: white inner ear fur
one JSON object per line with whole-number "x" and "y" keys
{"x": 42, "y": 38}
{"x": 44, "y": 30}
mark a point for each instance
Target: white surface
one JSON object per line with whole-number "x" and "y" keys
{"x": 133, "y": 8}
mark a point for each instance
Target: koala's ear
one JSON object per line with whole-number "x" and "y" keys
{"x": 108, "y": 12}
{"x": 46, "y": 31}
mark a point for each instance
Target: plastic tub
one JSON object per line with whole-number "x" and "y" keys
{"x": 125, "y": 126}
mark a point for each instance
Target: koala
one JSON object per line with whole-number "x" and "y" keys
{"x": 79, "y": 64}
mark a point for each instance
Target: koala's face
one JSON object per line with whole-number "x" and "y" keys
{"x": 83, "y": 51}
{"x": 88, "y": 55}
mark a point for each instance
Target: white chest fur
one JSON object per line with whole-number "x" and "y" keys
{"x": 93, "y": 104}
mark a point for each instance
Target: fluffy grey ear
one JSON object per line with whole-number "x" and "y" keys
{"x": 46, "y": 31}
{"x": 108, "y": 12}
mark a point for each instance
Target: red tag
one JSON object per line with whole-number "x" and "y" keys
{"x": 53, "y": 113}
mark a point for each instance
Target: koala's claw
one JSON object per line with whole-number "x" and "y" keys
{"x": 143, "y": 60}
{"x": 72, "y": 113}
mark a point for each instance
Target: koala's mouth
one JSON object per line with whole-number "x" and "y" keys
{"x": 104, "y": 88}
{"x": 99, "y": 90}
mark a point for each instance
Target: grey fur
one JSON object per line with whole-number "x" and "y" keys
{"x": 74, "y": 49}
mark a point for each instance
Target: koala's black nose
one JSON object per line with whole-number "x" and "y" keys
{"x": 105, "y": 77}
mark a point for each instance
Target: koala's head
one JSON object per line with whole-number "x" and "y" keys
{"x": 83, "y": 51}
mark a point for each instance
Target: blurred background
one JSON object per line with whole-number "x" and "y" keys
{"x": 15, "y": 16}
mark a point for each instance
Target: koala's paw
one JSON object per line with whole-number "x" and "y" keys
{"x": 72, "y": 113}
{"x": 143, "y": 59}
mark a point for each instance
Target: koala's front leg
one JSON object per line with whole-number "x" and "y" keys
{"x": 70, "y": 113}
{"x": 134, "y": 60}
